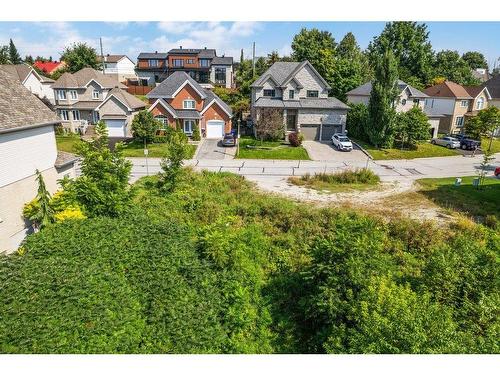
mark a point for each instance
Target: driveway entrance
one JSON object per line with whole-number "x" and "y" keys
{"x": 323, "y": 151}
{"x": 212, "y": 149}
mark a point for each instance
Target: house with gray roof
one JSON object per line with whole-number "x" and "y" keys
{"x": 181, "y": 102}
{"x": 32, "y": 80}
{"x": 87, "y": 96}
{"x": 120, "y": 65}
{"x": 300, "y": 93}
{"x": 27, "y": 144}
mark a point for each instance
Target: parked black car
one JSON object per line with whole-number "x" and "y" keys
{"x": 229, "y": 140}
{"x": 466, "y": 142}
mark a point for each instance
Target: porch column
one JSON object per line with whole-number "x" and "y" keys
{"x": 284, "y": 119}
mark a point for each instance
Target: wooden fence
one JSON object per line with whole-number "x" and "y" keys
{"x": 139, "y": 90}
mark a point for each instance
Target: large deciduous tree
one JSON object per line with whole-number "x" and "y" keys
{"x": 475, "y": 60}
{"x": 381, "y": 105}
{"x": 144, "y": 126}
{"x": 484, "y": 124}
{"x": 449, "y": 64}
{"x": 412, "y": 127}
{"x": 269, "y": 124}
{"x": 409, "y": 41}
{"x": 79, "y": 56}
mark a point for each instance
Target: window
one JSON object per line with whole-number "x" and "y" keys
{"x": 188, "y": 104}
{"x": 95, "y": 117}
{"x": 203, "y": 77}
{"x": 188, "y": 126}
{"x": 291, "y": 94}
{"x": 459, "y": 121}
{"x": 416, "y": 102}
{"x": 464, "y": 103}
{"x": 61, "y": 95}
{"x": 76, "y": 114}
{"x": 190, "y": 61}
{"x": 153, "y": 63}
{"x": 480, "y": 103}
{"x": 403, "y": 102}
{"x": 312, "y": 93}
{"x": 64, "y": 115}
{"x": 220, "y": 75}
{"x": 73, "y": 95}
{"x": 164, "y": 120}
{"x": 178, "y": 63}
{"x": 205, "y": 63}
{"x": 95, "y": 94}
{"x": 271, "y": 93}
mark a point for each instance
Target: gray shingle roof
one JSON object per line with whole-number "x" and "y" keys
{"x": 365, "y": 90}
{"x": 130, "y": 100}
{"x": 279, "y": 72}
{"x": 111, "y": 58}
{"x": 64, "y": 158}
{"x": 170, "y": 85}
{"x": 152, "y": 55}
{"x": 222, "y": 60}
{"x": 20, "y": 71}
{"x": 84, "y": 76}
{"x": 318, "y": 103}
{"x": 211, "y": 96}
{"x": 188, "y": 114}
{"x": 19, "y": 108}
{"x": 206, "y": 53}
{"x": 493, "y": 85}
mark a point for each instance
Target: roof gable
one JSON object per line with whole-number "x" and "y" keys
{"x": 173, "y": 84}
{"x": 448, "y": 89}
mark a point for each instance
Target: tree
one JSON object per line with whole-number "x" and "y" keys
{"x": 272, "y": 58}
{"x": 79, "y": 56}
{"x": 412, "y": 127}
{"x": 171, "y": 165}
{"x": 483, "y": 167}
{"x": 14, "y": 56}
{"x": 4, "y": 55}
{"x": 475, "y": 60}
{"x": 450, "y": 65}
{"x": 102, "y": 189}
{"x": 314, "y": 45}
{"x": 144, "y": 126}
{"x": 382, "y": 98}
{"x": 484, "y": 123}
{"x": 409, "y": 41}
{"x": 357, "y": 121}
{"x": 39, "y": 211}
{"x": 29, "y": 60}
{"x": 269, "y": 125}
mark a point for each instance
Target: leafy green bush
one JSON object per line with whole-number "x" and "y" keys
{"x": 357, "y": 176}
{"x": 295, "y": 139}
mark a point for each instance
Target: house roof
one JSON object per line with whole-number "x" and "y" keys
{"x": 111, "y": 58}
{"x": 316, "y": 103}
{"x": 19, "y": 108}
{"x": 152, "y": 55}
{"x": 365, "y": 90}
{"x": 481, "y": 74}
{"x": 448, "y": 89}
{"x": 20, "y": 71}
{"x": 493, "y": 85}
{"x": 64, "y": 158}
{"x": 222, "y": 60}
{"x": 47, "y": 66}
{"x": 474, "y": 91}
{"x": 283, "y": 72}
{"x": 211, "y": 96}
{"x": 84, "y": 76}
{"x": 168, "y": 87}
{"x": 128, "y": 99}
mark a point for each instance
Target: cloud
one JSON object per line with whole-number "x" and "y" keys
{"x": 176, "y": 27}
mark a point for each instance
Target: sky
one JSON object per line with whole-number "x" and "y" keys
{"x": 130, "y": 38}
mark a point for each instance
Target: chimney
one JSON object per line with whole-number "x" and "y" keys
{"x": 156, "y": 51}
{"x": 205, "y": 47}
{"x": 180, "y": 47}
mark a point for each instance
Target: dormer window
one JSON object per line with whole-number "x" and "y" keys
{"x": 189, "y": 104}
{"x": 270, "y": 93}
{"x": 291, "y": 94}
{"x": 95, "y": 94}
{"x": 480, "y": 104}
{"x": 153, "y": 63}
{"x": 73, "y": 95}
{"x": 312, "y": 93}
{"x": 61, "y": 95}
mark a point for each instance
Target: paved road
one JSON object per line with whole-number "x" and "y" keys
{"x": 388, "y": 170}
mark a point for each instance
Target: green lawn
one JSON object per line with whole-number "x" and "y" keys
{"x": 495, "y": 145}
{"x": 424, "y": 150}
{"x": 277, "y": 150}
{"x": 465, "y": 198}
{"x": 67, "y": 142}
{"x": 156, "y": 150}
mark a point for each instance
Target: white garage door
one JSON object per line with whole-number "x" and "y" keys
{"x": 116, "y": 128}
{"x": 215, "y": 129}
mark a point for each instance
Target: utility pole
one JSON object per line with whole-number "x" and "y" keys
{"x": 253, "y": 60}
{"x": 102, "y": 55}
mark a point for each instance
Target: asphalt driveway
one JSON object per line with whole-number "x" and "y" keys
{"x": 212, "y": 149}
{"x": 323, "y": 151}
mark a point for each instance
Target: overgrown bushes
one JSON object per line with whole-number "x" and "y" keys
{"x": 356, "y": 176}
{"x": 295, "y": 139}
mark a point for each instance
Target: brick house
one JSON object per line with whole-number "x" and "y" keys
{"x": 180, "y": 101}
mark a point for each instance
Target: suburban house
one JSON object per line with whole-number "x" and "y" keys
{"x": 493, "y": 86}
{"x": 36, "y": 83}
{"x": 299, "y": 92}
{"x": 408, "y": 97}
{"x": 27, "y": 143}
{"x": 455, "y": 102}
{"x": 180, "y": 101}
{"x": 481, "y": 74}
{"x": 49, "y": 67}
{"x": 121, "y": 65}
{"x": 203, "y": 65}
{"x": 85, "y": 97}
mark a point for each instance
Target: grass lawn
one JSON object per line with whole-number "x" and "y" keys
{"x": 495, "y": 145}
{"x": 464, "y": 198}
{"x": 67, "y": 142}
{"x": 156, "y": 150}
{"x": 277, "y": 150}
{"x": 424, "y": 150}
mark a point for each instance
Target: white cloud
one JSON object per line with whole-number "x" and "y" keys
{"x": 175, "y": 27}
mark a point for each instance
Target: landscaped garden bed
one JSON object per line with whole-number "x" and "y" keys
{"x": 251, "y": 148}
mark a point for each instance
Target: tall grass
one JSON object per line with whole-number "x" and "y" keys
{"x": 357, "y": 176}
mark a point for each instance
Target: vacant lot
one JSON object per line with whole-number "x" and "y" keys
{"x": 270, "y": 150}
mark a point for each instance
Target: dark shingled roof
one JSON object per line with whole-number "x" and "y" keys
{"x": 222, "y": 60}
{"x": 152, "y": 55}
{"x": 84, "y": 76}
{"x": 316, "y": 103}
{"x": 170, "y": 85}
{"x": 19, "y": 108}
{"x": 493, "y": 86}
{"x": 365, "y": 90}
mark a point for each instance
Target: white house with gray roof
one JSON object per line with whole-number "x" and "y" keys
{"x": 36, "y": 83}
{"x": 299, "y": 91}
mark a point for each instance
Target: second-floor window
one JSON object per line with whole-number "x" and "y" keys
{"x": 312, "y": 93}
{"x": 95, "y": 94}
{"x": 416, "y": 102}
{"x": 61, "y": 95}
{"x": 464, "y": 103}
{"x": 480, "y": 104}
{"x": 459, "y": 121}
{"x": 73, "y": 95}
{"x": 188, "y": 104}
{"x": 270, "y": 93}
{"x": 220, "y": 75}
{"x": 153, "y": 63}
{"x": 190, "y": 61}
{"x": 178, "y": 62}
{"x": 205, "y": 63}
{"x": 291, "y": 94}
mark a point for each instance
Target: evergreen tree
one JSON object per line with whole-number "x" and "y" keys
{"x": 14, "y": 56}
{"x": 272, "y": 58}
{"x": 381, "y": 106}
{"x": 4, "y": 55}
{"x": 29, "y": 60}
{"x": 39, "y": 211}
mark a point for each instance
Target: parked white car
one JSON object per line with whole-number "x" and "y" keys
{"x": 448, "y": 142}
{"x": 341, "y": 142}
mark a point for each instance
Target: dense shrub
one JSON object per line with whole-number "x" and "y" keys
{"x": 357, "y": 176}
{"x": 357, "y": 121}
{"x": 295, "y": 139}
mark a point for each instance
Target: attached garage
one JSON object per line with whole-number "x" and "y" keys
{"x": 116, "y": 128}
{"x": 329, "y": 130}
{"x": 310, "y": 131}
{"x": 215, "y": 129}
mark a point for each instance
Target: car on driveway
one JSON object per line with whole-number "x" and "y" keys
{"x": 341, "y": 142}
{"x": 229, "y": 140}
{"x": 467, "y": 143}
{"x": 448, "y": 142}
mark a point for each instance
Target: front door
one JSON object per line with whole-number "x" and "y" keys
{"x": 291, "y": 122}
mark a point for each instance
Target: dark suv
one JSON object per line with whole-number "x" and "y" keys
{"x": 467, "y": 143}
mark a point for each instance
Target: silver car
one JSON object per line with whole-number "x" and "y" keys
{"x": 448, "y": 142}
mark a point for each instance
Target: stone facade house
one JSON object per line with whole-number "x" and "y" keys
{"x": 27, "y": 143}
{"x": 180, "y": 101}
{"x": 299, "y": 92}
